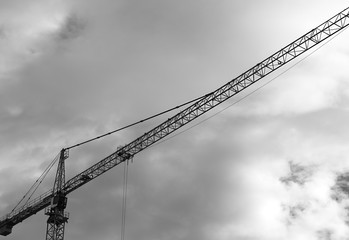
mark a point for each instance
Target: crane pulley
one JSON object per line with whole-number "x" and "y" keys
{"x": 55, "y": 199}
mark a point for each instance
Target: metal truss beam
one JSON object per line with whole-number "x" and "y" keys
{"x": 208, "y": 102}
{"x": 213, "y": 99}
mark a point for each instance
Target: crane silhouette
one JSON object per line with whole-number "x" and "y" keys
{"x": 54, "y": 201}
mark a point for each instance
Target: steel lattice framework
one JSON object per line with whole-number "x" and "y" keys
{"x": 57, "y": 216}
{"x": 208, "y": 102}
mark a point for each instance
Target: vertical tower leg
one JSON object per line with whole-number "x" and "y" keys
{"x": 57, "y": 216}
{"x": 55, "y": 224}
{"x": 55, "y": 231}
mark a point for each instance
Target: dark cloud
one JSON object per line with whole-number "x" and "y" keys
{"x": 325, "y": 234}
{"x": 72, "y": 28}
{"x": 298, "y": 174}
{"x": 120, "y": 62}
{"x": 340, "y": 190}
{"x": 295, "y": 211}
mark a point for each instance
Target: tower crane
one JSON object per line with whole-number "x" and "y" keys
{"x": 55, "y": 201}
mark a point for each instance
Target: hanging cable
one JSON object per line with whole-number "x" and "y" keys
{"x": 124, "y": 200}
{"x": 36, "y": 184}
{"x": 133, "y": 124}
{"x": 255, "y": 90}
{"x": 197, "y": 99}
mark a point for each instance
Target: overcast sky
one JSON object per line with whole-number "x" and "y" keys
{"x": 272, "y": 167}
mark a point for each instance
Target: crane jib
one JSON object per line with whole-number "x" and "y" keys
{"x": 203, "y": 105}
{"x": 213, "y": 99}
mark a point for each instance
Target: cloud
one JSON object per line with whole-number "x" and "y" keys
{"x": 85, "y": 68}
{"x": 25, "y": 28}
{"x": 341, "y": 189}
{"x": 298, "y": 174}
{"x": 71, "y": 28}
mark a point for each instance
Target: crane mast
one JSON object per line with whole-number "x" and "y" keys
{"x": 55, "y": 199}
{"x": 57, "y": 216}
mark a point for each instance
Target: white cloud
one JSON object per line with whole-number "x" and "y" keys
{"x": 315, "y": 84}
{"x": 105, "y": 64}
